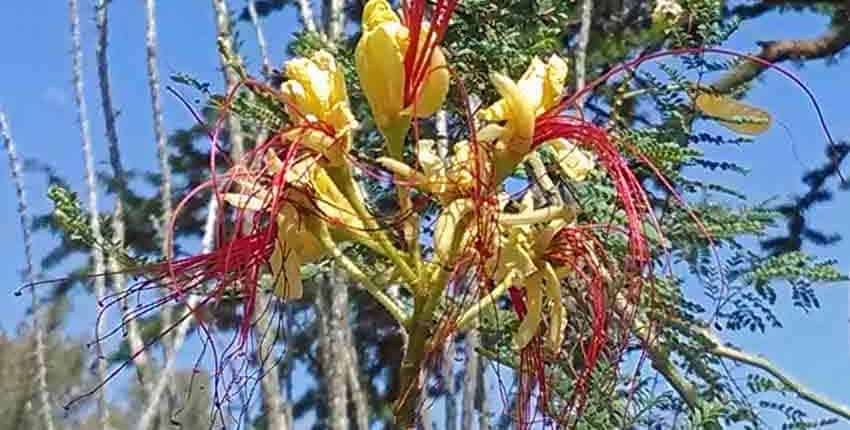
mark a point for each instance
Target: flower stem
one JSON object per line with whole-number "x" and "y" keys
{"x": 349, "y": 266}
{"x": 472, "y": 313}
{"x": 345, "y": 181}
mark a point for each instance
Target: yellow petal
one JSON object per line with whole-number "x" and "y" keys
{"x": 326, "y": 62}
{"x": 534, "y": 312}
{"x": 285, "y": 261}
{"x": 379, "y": 62}
{"x": 448, "y": 223}
{"x": 531, "y": 84}
{"x": 429, "y": 160}
{"x": 246, "y": 202}
{"x": 435, "y": 87}
{"x": 734, "y": 115}
{"x": 295, "y": 93}
{"x": 553, "y": 84}
{"x": 522, "y": 113}
{"x": 377, "y": 12}
{"x": 315, "y": 82}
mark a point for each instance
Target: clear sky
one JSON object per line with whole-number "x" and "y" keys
{"x": 36, "y": 93}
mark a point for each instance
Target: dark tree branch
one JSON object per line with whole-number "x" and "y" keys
{"x": 836, "y": 39}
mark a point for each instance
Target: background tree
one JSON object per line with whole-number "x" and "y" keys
{"x": 681, "y": 348}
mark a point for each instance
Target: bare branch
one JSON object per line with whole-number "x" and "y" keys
{"x": 830, "y": 43}
{"x": 717, "y": 347}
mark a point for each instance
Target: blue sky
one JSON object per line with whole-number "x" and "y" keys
{"x": 36, "y": 93}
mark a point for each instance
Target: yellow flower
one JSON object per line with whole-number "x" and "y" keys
{"x": 446, "y": 180}
{"x": 538, "y": 90}
{"x": 525, "y": 236}
{"x": 316, "y": 88}
{"x": 380, "y": 65}
{"x": 309, "y": 205}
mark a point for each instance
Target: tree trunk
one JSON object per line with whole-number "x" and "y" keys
{"x": 470, "y": 378}
{"x": 331, "y": 339}
{"x": 134, "y": 339}
{"x": 448, "y": 378}
{"x": 40, "y": 372}
{"x": 91, "y": 188}
{"x": 261, "y": 39}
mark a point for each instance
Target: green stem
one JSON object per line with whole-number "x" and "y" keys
{"x": 410, "y": 385}
{"x": 345, "y": 181}
{"x": 349, "y": 266}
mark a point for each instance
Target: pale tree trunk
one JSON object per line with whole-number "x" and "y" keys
{"x": 448, "y": 378}
{"x": 40, "y": 372}
{"x": 333, "y": 368}
{"x": 341, "y": 380}
{"x": 470, "y": 378}
{"x": 91, "y": 188}
{"x": 165, "y": 174}
{"x": 275, "y": 408}
{"x": 228, "y": 56}
{"x": 333, "y": 18}
{"x": 267, "y": 333}
{"x": 261, "y": 38}
{"x": 305, "y": 11}
{"x": 581, "y": 49}
{"x": 134, "y": 340}
{"x": 356, "y": 392}
{"x": 481, "y": 399}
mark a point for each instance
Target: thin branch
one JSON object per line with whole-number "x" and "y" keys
{"x": 227, "y": 58}
{"x": 717, "y": 347}
{"x": 45, "y": 406}
{"x": 183, "y": 327}
{"x": 91, "y": 187}
{"x": 156, "y": 110}
{"x": 167, "y": 372}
